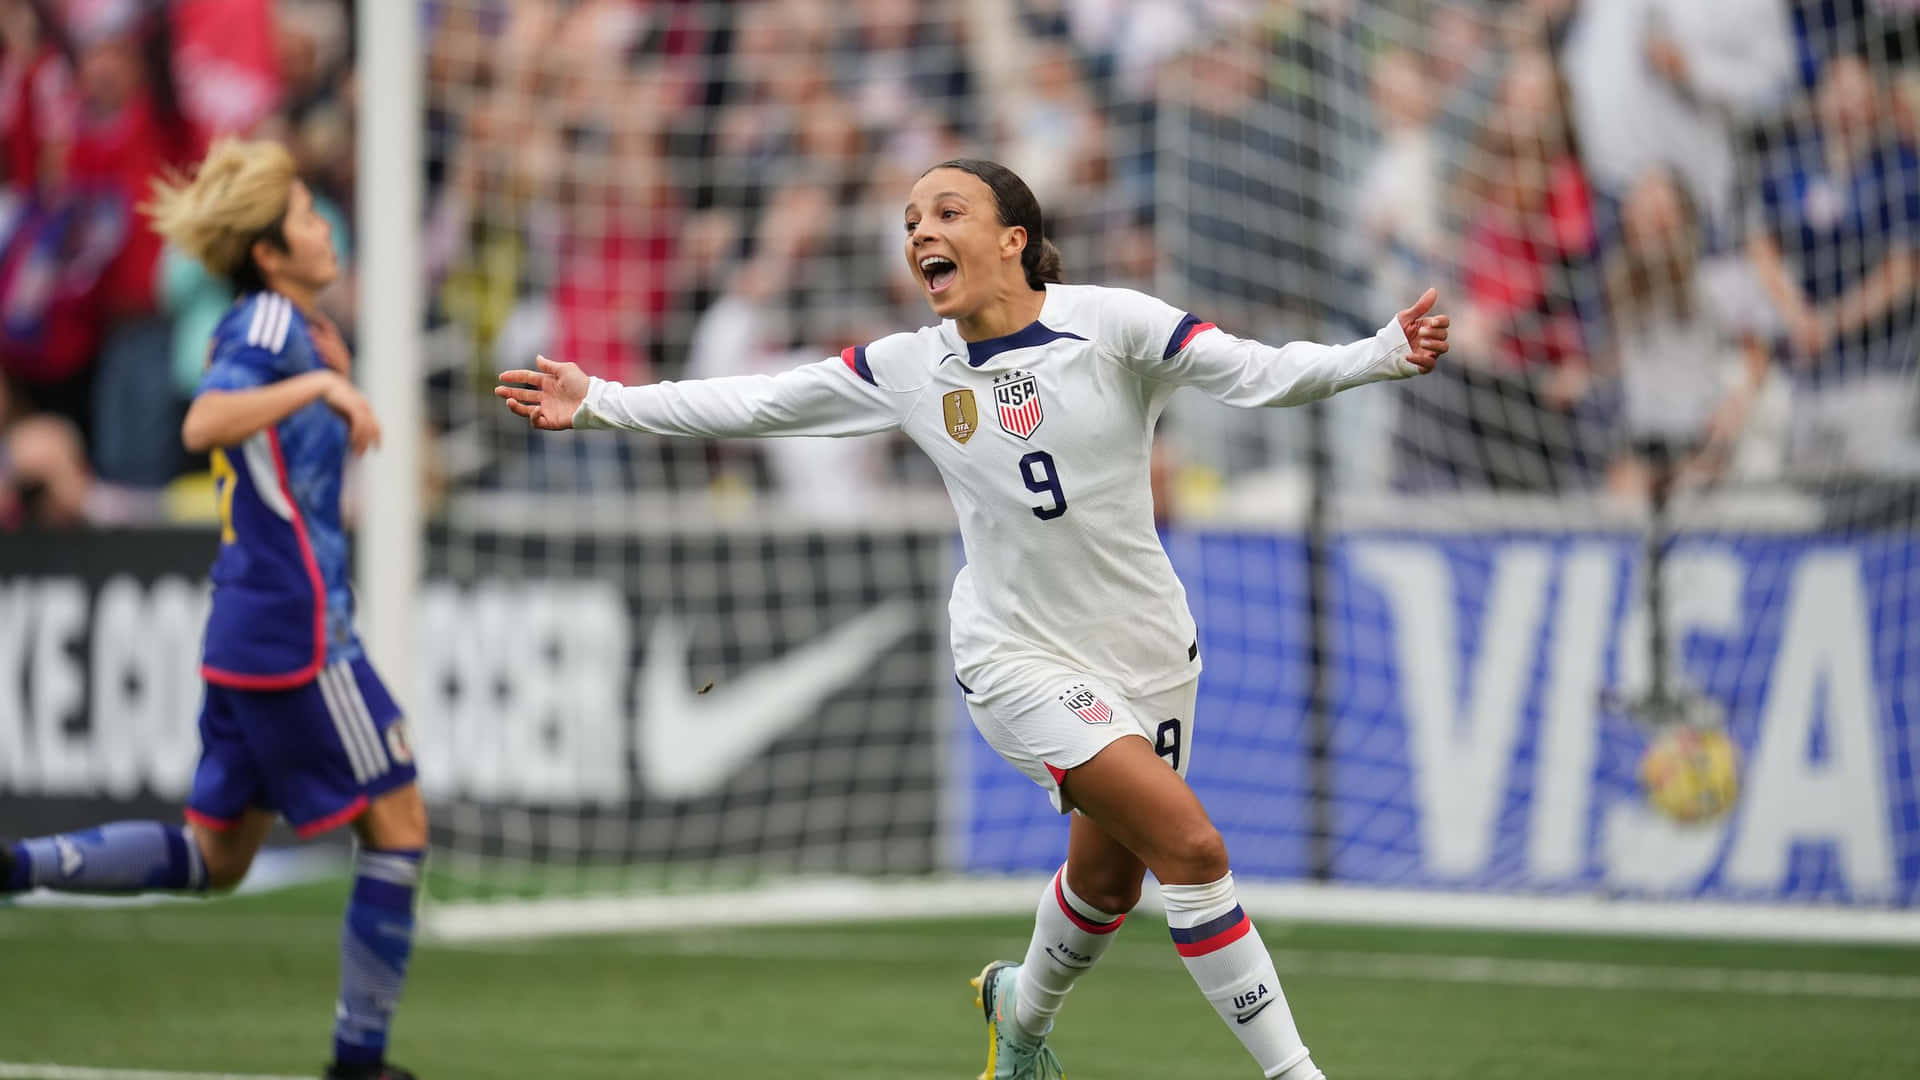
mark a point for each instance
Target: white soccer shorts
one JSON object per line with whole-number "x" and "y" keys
{"x": 1046, "y": 717}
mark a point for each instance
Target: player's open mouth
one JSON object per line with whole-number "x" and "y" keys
{"x": 939, "y": 272}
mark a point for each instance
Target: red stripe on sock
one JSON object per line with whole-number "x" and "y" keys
{"x": 1217, "y": 942}
{"x": 1079, "y": 920}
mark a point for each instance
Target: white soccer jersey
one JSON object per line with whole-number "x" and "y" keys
{"x": 1043, "y": 438}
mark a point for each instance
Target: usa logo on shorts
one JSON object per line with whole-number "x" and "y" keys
{"x": 1087, "y": 705}
{"x": 1017, "y": 397}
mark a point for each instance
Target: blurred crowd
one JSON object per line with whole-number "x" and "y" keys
{"x": 1684, "y": 240}
{"x": 1681, "y": 240}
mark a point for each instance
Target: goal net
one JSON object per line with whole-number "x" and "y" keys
{"x": 1617, "y": 602}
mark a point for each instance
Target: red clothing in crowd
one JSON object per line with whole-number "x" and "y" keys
{"x": 1513, "y": 264}
{"x": 118, "y": 158}
{"x": 611, "y": 295}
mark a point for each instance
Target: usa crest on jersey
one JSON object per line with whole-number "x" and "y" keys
{"x": 1016, "y": 398}
{"x": 1087, "y": 705}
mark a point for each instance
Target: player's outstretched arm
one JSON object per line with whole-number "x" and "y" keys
{"x": 230, "y": 417}
{"x": 1250, "y": 374}
{"x": 831, "y": 397}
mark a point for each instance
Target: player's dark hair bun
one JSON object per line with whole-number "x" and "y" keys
{"x": 1041, "y": 260}
{"x": 1048, "y": 266}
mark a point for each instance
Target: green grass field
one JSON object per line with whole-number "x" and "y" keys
{"x": 245, "y": 986}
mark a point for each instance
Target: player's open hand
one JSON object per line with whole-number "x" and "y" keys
{"x": 1426, "y": 333}
{"x": 363, "y": 428}
{"x": 549, "y": 397}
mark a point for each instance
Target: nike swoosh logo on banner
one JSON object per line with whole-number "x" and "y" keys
{"x": 691, "y": 744}
{"x": 1256, "y": 1012}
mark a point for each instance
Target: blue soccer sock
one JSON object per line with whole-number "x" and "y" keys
{"x": 374, "y": 946}
{"x": 126, "y": 856}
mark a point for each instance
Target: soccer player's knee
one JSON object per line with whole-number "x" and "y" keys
{"x": 396, "y": 821}
{"x": 1114, "y": 890}
{"x": 225, "y": 868}
{"x": 1199, "y": 856}
{"x": 1114, "y": 898}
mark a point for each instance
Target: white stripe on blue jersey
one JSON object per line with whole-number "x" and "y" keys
{"x": 272, "y": 315}
{"x": 264, "y": 471}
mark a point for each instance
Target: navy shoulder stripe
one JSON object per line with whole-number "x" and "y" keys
{"x": 1184, "y": 333}
{"x": 856, "y": 361}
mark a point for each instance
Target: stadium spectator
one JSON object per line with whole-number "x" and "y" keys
{"x": 1126, "y": 42}
{"x": 1396, "y": 239}
{"x": 895, "y": 58}
{"x": 598, "y": 168}
{"x": 1231, "y": 161}
{"x": 1666, "y": 82}
{"x": 132, "y": 129}
{"x": 752, "y": 330}
{"x": 44, "y": 478}
{"x": 479, "y": 231}
{"x": 1396, "y": 206}
{"x": 1520, "y": 410}
{"x": 55, "y": 250}
{"x": 316, "y": 116}
{"x": 613, "y": 281}
{"x": 1884, "y": 31}
{"x": 46, "y": 481}
{"x": 1053, "y": 132}
{"x": 1838, "y": 249}
{"x": 1682, "y": 334}
{"x": 777, "y": 68}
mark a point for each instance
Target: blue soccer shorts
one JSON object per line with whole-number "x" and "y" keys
{"x": 317, "y": 753}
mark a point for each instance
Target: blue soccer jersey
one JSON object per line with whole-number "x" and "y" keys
{"x": 282, "y": 609}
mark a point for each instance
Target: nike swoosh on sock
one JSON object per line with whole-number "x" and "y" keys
{"x": 1068, "y": 963}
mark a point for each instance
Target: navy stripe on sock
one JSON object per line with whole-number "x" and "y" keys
{"x": 21, "y": 878}
{"x": 1187, "y": 935}
{"x": 179, "y": 860}
{"x": 383, "y": 894}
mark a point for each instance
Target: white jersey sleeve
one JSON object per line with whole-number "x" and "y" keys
{"x": 1160, "y": 342}
{"x": 834, "y": 397}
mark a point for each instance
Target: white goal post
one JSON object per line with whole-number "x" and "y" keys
{"x": 388, "y": 208}
{"x": 1667, "y": 476}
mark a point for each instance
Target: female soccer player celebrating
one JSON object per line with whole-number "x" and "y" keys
{"x": 1071, "y": 635}
{"x": 295, "y": 722}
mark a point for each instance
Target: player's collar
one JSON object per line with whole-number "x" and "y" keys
{"x": 1028, "y": 336}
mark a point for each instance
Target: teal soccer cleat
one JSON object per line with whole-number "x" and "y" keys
{"x": 1010, "y": 1054}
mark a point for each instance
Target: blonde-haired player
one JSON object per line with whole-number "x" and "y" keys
{"x": 295, "y": 722}
{"x": 1071, "y": 635}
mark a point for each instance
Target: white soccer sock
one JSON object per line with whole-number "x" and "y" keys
{"x": 1225, "y": 956}
{"x": 1069, "y": 934}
